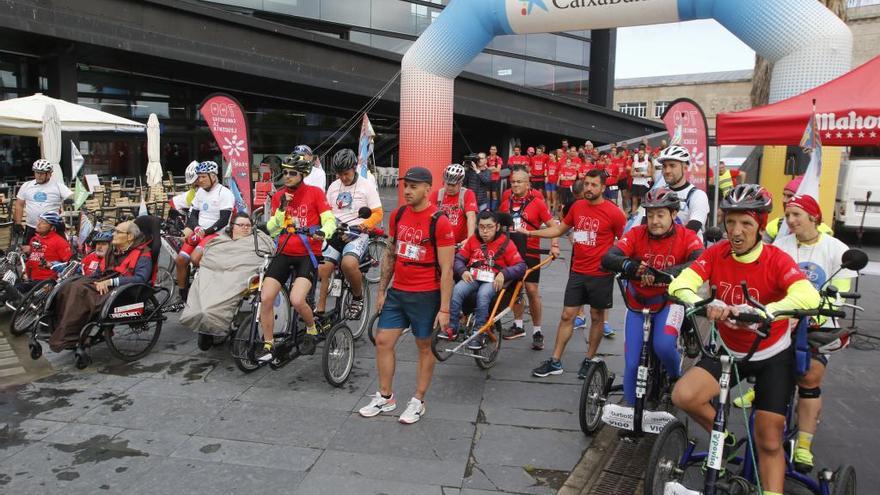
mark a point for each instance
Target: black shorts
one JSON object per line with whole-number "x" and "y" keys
{"x": 283, "y": 267}
{"x": 538, "y": 185}
{"x": 535, "y": 276}
{"x": 595, "y": 291}
{"x": 774, "y": 379}
{"x": 623, "y": 184}
{"x": 639, "y": 190}
{"x": 564, "y": 193}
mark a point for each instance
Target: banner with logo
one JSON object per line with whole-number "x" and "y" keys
{"x": 686, "y": 120}
{"x": 227, "y": 122}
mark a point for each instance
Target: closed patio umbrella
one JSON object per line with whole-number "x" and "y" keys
{"x": 50, "y": 141}
{"x": 154, "y": 168}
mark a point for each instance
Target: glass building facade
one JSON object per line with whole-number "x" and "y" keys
{"x": 553, "y": 62}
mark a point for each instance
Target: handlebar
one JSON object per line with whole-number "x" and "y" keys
{"x": 660, "y": 277}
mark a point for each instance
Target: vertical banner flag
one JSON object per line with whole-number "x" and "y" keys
{"x": 76, "y": 159}
{"x": 226, "y": 119}
{"x": 80, "y": 193}
{"x": 365, "y": 146}
{"x": 686, "y": 122}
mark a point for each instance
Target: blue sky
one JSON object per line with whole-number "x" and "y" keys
{"x": 679, "y": 48}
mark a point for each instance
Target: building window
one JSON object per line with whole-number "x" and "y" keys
{"x": 636, "y": 109}
{"x": 660, "y": 107}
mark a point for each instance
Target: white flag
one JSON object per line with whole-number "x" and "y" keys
{"x": 76, "y": 159}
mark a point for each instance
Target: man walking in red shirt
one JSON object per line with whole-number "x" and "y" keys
{"x": 457, "y": 202}
{"x": 595, "y": 224}
{"x": 495, "y": 164}
{"x": 419, "y": 257}
{"x": 538, "y": 171}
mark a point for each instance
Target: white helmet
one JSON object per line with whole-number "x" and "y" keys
{"x": 454, "y": 174}
{"x": 674, "y": 152}
{"x": 42, "y": 165}
{"x": 190, "y": 174}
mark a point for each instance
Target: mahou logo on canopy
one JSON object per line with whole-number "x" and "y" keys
{"x": 851, "y": 125}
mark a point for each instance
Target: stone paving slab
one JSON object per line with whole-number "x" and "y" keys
{"x": 389, "y": 466}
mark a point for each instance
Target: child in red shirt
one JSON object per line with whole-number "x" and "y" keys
{"x": 487, "y": 262}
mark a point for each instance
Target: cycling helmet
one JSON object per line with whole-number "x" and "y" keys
{"x": 343, "y": 160}
{"x": 454, "y": 174}
{"x": 103, "y": 236}
{"x": 42, "y": 165}
{"x": 747, "y": 197}
{"x": 207, "y": 167}
{"x": 302, "y": 149}
{"x": 52, "y": 217}
{"x": 662, "y": 197}
{"x": 297, "y": 162}
{"x": 190, "y": 174}
{"x": 674, "y": 152}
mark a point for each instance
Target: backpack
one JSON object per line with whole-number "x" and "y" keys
{"x": 432, "y": 230}
{"x": 490, "y": 260}
{"x": 442, "y": 194}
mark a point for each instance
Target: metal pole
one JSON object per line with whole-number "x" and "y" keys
{"x": 715, "y": 199}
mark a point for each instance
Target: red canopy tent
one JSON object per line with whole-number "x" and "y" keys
{"x": 847, "y": 111}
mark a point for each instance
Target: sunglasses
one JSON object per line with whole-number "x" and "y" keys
{"x": 243, "y": 225}
{"x": 291, "y": 173}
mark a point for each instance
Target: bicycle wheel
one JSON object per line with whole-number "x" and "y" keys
{"x": 592, "y": 399}
{"x": 371, "y": 327}
{"x": 441, "y": 348}
{"x": 165, "y": 279}
{"x": 491, "y": 348}
{"x": 32, "y": 305}
{"x": 360, "y": 325}
{"x": 666, "y": 454}
{"x": 244, "y": 345}
{"x": 376, "y": 248}
{"x": 845, "y": 481}
{"x": 134, "y": 340}
{"x": 338, "y": 357}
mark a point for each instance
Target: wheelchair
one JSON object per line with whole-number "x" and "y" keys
{"x": 129, "y": 321}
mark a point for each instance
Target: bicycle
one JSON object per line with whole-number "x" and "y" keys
{"x": 673, "y": 452}
{"x": 488, "y": 354}
{"x": 653, "y": 386}
{"x": 338, "y": 353}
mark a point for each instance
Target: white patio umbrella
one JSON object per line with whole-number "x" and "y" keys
{"x": 154, "y": 168}
{"x": 50, "y": 141}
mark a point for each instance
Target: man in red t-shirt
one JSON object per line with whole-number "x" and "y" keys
{"x": 419, "y": 257}
{"x": 296, "y": 206}
{"x": 495, "y": 164}
{"x": 595, "y": 224}
{"x": 552, "y": 183}
{"x": 774, "y": 279}
{"x": 538, "y": 169}
{"x": 527, "y": 209}
{"x": 518, "y": 159}
{"x": 568, "y": 173}
{"x": 457, "y": 202}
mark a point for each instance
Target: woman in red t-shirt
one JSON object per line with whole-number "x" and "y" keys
{"x": 567, "y": 175}
{"x": 487, "y": 262}
{"x": 553, "y": 167}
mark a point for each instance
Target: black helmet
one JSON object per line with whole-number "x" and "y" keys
{"x": 747, "y": 197}
{"x": 297, "y": 162}
{"x": 343, "y": 160}
{"x": 662, "y": 197}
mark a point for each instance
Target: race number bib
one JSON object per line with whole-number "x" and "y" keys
{"x": 410, "y": 251}
{"x": 483, "y": 275}
{"x": 517, "y": 222}
{"x": 584, "y": 237}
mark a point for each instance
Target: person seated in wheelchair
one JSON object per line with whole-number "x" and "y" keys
{"x": 128, "y": 261}
{"x": 663, "y": 245}
{"x": 47, "y": 246}
{"x": 347, "y": 196}
{"x": 91, "y": 263}
{"x": 486, "y": 263}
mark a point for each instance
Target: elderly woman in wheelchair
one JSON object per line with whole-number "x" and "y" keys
{"x": 115, "y": 302}
{"x": 486, "y": 263}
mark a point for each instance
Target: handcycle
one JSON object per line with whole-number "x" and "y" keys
{"x": 33, "y": 302}
{"x": 653, "y": 385}
{"x": 486, "y": 357}
{"x": 129, "y": 321}
{"x": 12, "y": 267}
{"x": 674, "y": 453}
{"x": 338, "y": 352}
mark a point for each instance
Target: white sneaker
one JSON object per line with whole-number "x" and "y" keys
{"x": 414, "y": 411}
{"x": 378, "y": 405}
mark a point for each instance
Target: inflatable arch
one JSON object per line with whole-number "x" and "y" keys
{"x": 808, "y": 44}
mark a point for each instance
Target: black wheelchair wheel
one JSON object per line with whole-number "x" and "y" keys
{"x": 244, "y": 345}
{"x": 371, "y": 327}
{"x": 338, "y": 355}
{"x": 845, "y": 481}
{"x": 666, "y": 454}
{"x": 593, "y": 395}
{"x": 376, "y": 248}
{"x": 31, "y": 307}
{"x": 36, "y": 350}
{"x": 488, "y": 355}
{"x": 134, "y": 340}
{"x": 165, "y": 279}
{"x": 441, "y": 348}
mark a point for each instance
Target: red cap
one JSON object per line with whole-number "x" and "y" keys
{"x": 793, "y": 184}
{"x": 808, "y": 204}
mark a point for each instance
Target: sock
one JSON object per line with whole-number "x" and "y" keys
{"x": 518, "y": 323}
{"x": 267, "y": 346}
{"x": 386, "y": 396}
{"x": 804, "y": 441}
{"x": 536, "y": 329}
{"x": 312, "y": 329}
{"x": 765, "y": 492}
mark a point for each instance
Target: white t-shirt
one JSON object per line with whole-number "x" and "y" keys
{"x": 211, "y": 203}
{"x": 345, "y": 201}
{"x": 644, "y": 167}
{"x": 817, "y": 261}
{"x": 40, "y": 198}
{"x": 317, "y": 177}
{"x": 695, "y": 208}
